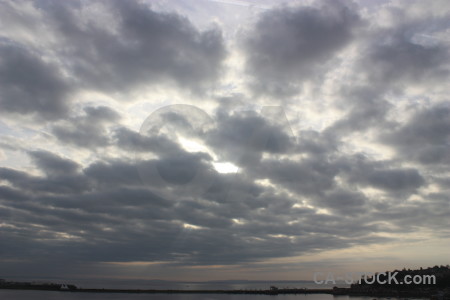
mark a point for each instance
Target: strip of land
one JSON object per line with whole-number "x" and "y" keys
{"x": 272, "y": 291}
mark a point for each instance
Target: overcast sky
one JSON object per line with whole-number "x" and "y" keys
{"x": 223, "y": 139}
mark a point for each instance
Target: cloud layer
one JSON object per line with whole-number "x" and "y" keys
{"x": 354, "y": 153}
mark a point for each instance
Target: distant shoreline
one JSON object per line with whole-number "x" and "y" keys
{"x": 169, "y": 291}
{"x": 339, "y": 291}
{"x": 155, "y": 291}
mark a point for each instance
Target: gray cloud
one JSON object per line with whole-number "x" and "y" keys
{"x": 52, "y": 164}
{"x": 289, "y": 46}
{"x": 395, "y": 180}
{"x": 243, "y": 137}
{"x": 389, "y": 60}
{"x": 366, "y": 109}
{"x": 10, "y": 193}
{"x": 113, "y": 174}
{"x": 29, "y": 84}
{"x": 309, "y": 177}
{"x": 134, "y": 141}
{"x": 89, "y": 130}
{"x": 143, "y": 200}
{"x": 135, "y": 47}
{"x": 48, "y": 185}
{"x": 425, "y": 138}
{"x": 119, "y": 218}
{"x": 382, "y": 175}
{"x": 345, "y": 201}
{"x": 397, "y": 59}
{"x": 146, "y": 47}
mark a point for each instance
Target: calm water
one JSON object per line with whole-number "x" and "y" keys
{"x": 176, "y": 285}
{"x": 44, "y": 295}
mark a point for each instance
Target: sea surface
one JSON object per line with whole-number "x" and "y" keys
{"x": 109, "y": 283}
{"x": 48, "y": 295}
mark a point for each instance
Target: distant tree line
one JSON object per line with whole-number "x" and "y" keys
{"x": 441, "y": 273}
{"x": 34, "y": 286}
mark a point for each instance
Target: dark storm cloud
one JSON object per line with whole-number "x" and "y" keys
{"x": 117, "y": 201}
{"x": 292, "y": 45}
{"x": 101, "y": 114}
{"x": 113, "y": 174}
{"x": 425, "y": 137}
{"x": 29, "y": 84}
{"x": 395, "y": 180}
{"x": 384, "y": 175}
{"x": 182, "y": 169}
{"x": 316, "y": 143}
{"x": 174, "y": 170}
{"x": 63, "y": 183}
{"x": 344, "y": 201}
{"x": 134, "y": 141}
{"x": 144, "y": 46}
{"x": 390, "y": 60}
{"x": 366, "y": 109}
{"x": 53, "y": 165}
{"x": 107, "y": 212}
{"x": 291, "y": 196}
{"x": 430, "y": 213}
{"x": 395, "y": 58}
{"x": 10, "y": 193}
{"x": 129, "y": 46}
{"x": 119, "y": 218}
{"x": 173, "y": 164}
{"x": 138, "y": 230}
{"x": 89, "y": 130}
{"x": 242, "y": 137}
{"x": 308, "y": 177}
{"x": 84, "y": 135}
